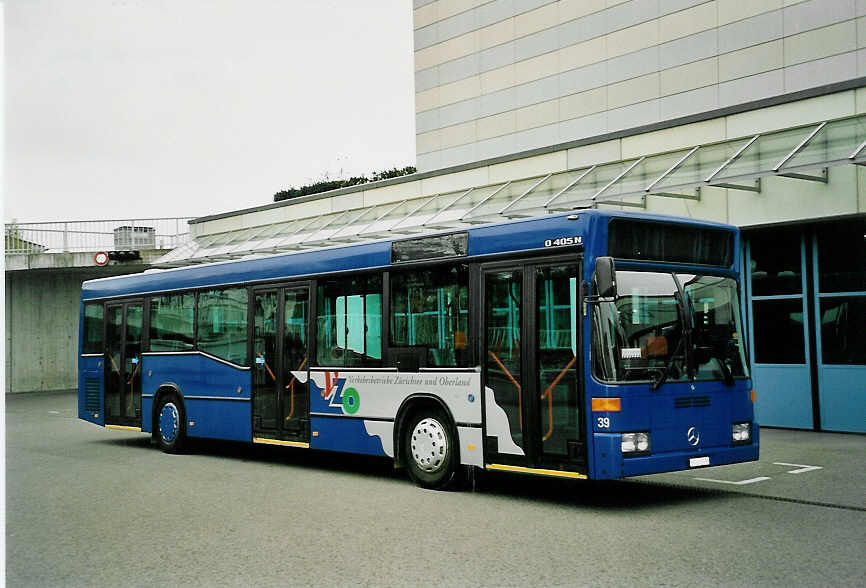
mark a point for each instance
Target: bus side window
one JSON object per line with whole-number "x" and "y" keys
{"x": 349, "y": 323}
{"x": 172, "y": 322}
{"x": 222, "y": 324}
{"x": 92, "y": 339}
{"x": 430, "y": 309}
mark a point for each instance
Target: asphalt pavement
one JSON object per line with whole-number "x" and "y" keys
{"x": 91, "y": 507}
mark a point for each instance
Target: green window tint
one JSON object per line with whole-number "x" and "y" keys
{"x": 222, "y": 324}
{"x": 373, "y": 327}
{"x": 92, "y": 340}
{"x": 431, "y": 309}
{"x": 556, "y": 356}
{"x": 349, "y": 322}
{"x": 172, "y": 322}
{"x": 503, "y": 300}
{"x": 557, "y": 304}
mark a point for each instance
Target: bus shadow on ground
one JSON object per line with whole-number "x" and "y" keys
{"x": 607, "y": 494}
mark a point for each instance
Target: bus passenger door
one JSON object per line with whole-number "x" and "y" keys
{"x": 123, "y": 331}
{"x": 509, "y": 433}
{"x": 556, "y": 361}
{"x": 280, "y": 329}
{"x": 294, "y": 399}
{"x": 531, "y": 365}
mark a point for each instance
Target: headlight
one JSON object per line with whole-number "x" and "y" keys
{"x": 635, "y": 443}
{"x": 741, "y": 432}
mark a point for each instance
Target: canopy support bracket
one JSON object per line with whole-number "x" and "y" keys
{"x": 641, "y": 204}
{"x": 696, "y": 196}
{"x": 756, "y": 188}
{"x": 822, "y": 178}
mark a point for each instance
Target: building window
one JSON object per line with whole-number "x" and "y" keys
{"x": 172, "y": 322}
{"x": 222, "y": 324}
{"x": 842, "y": 292}
{"x": 776, "y": 262}
{"x": 843, "y": 324}
{"x": 779, "y": 335}
{"x": 842, "y": 257}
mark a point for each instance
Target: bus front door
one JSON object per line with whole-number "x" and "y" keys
{"x": 531, "y": 365}
{"x": 123, "y": 326}
{"x": 280, "y": 338}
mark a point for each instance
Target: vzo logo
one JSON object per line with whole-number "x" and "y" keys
{"x": 349, "y": 399}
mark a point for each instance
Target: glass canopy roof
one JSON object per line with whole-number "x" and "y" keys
{"x": 804, "y": 153}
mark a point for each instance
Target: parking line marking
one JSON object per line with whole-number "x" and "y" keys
{"x": 740, "y": 483}
{"x": 802, "y": 468}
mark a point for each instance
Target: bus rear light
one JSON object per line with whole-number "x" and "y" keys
{"x": 635, "y": 442}
{"x": 753, "y": 396}
{"x": 606, "y": 405}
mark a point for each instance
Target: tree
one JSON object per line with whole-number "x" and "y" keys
{"x": 326, "y": 184}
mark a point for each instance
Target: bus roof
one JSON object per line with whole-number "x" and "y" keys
{"x": 513, "y": 236}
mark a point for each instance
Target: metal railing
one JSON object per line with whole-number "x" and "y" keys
{"x": 96, "y": 235}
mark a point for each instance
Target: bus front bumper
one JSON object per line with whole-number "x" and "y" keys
{"x": 609, "y": 462}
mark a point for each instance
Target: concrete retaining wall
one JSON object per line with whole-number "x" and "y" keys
{"x": 42, "y": 325}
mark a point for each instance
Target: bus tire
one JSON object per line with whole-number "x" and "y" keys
{"x": 170, "y": 424}
{"x": 430, "y": 449}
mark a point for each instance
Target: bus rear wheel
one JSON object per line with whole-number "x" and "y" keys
{"x": 429, "y": 449}
{"x": 170, "y": 424}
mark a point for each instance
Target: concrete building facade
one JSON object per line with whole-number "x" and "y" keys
{"x": 497, "y": 77}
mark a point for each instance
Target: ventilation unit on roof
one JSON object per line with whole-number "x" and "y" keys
{"x": 128, "y": 237}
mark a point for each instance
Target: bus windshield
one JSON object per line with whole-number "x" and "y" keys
{"x": 669, "y": 327}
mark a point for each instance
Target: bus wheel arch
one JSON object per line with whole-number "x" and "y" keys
{"x": 427, "y": 418}
{"x": 169, "y": 419}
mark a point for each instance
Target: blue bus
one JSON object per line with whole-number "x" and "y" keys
{"x": 592, "y": 344}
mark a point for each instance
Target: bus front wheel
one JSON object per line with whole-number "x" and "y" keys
{"x": 430, "y": 449}
{"x": 170, "y": 424}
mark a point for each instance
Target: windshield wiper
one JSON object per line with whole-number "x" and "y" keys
{"x": 711, "y": 352}
{"x": 667, "y": 367}
{"x": 685, "y": 337}
{"x": 685, "y": 315}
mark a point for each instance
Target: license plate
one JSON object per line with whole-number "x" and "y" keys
{"x": 696, "y": 462}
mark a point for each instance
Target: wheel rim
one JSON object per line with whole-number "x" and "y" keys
{"x": 169, "y": 422}
{"x": 429, "y": 445}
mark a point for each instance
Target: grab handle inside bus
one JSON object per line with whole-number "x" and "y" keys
{"x": 548, "y": 394}
{"x": 291, "y": 388}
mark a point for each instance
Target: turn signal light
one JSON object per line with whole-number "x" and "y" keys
{"x": 754, "y": 396}
{"x": 606, "y": 405}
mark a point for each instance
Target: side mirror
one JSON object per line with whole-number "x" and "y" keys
{"x": 605, "y": 277}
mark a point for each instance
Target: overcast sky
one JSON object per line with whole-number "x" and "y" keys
{"x": 163, "y": 108}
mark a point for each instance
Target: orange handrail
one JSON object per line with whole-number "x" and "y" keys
{"x": 113, "y": 363}
{"x": 267, "y": 367}
{"x": 291, "y": 388}
{"x": 516, "y": 385}
{"x": 134, "y": 372}
{"x": 549, "y": 394}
